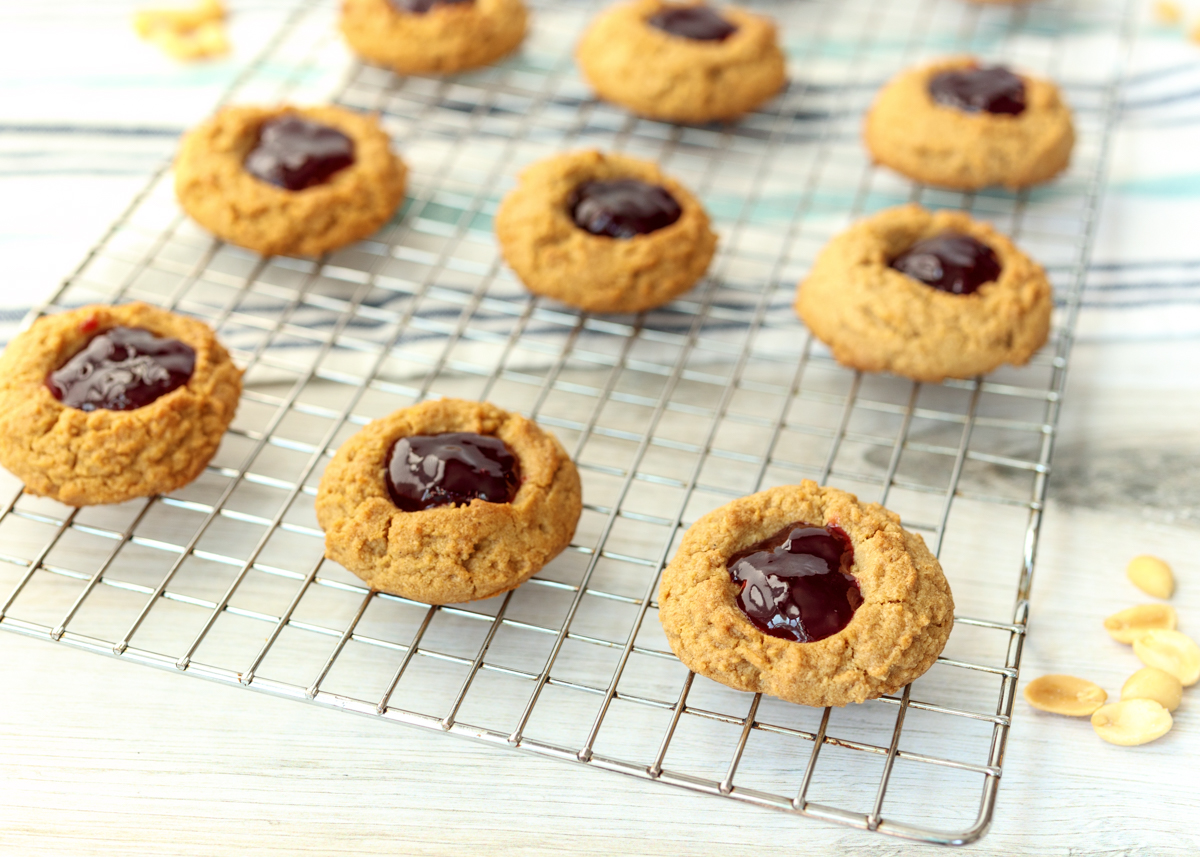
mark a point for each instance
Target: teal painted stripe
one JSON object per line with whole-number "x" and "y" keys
{"x": 1162, "y": 187}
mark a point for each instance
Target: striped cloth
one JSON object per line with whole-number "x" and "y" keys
{"x": 89, "y": 111}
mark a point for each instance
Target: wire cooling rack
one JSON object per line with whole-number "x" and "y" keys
{"x": 668, "y": 414}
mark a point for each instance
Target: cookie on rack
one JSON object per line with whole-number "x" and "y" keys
{"x": 682, "y": 62}
{"x": 603, "y": 232}
{"x": 926, "y": 295}
{"x": 803, "y": 593}
{"x": 448, "y": 501}
{"x": 289, "y": 180}
{"x": 103, "y": 404}
{"x": 433, "y": 36}
{"x": 956, "y": 123}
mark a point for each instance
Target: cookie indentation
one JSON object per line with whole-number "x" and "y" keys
{"x": 952, "y": 262}
{"x": 450, "y": 469}
{"x": 623, "y": 208}
{"x": 796, "y": 585}
{"x": 698, "y": 23}
{"x": 993, "y": 89}
{"x": 295, "y": 153}
{"x": 420, "y": 7}
{"x": 122, "y": 369}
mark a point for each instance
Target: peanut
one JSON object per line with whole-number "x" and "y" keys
{"x": 1153, "y": 683}
{"x": 1171, "y": 652}
{"x": 1065, "y": 694}
{"x": 1151, "y": 575}
{"x": 1133, "y": 722}
{"x": 177, "y": 20}
{"x": 1128, "y": 625}
{"x": 1167, "y": 12}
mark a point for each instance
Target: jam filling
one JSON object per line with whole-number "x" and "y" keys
{"x": 122, "y": 369}
{"x": 796, "y": 585}
{"x": 623, "y": 208}
{"x": 952, "y": 262}
{"x": 450, "y": 470}
{"x": 698, "y": 23}
{"x": 420, "y": 7}
{"x": 994, "y": 89}
{"x": 295, "y": 153}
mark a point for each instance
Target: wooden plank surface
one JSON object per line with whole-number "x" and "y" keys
{"x": 99, "y": 757}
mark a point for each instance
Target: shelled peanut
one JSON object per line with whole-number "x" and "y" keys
{"x": 191, "y": 33}
{"x": 1148, "y": 697}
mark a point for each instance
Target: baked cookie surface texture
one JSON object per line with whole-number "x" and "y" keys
{"x": 935, "y": 124}
{"x": 894, "y": 610}
{"x": 879, "y": 318}
{"x": 448, "y": 501}
{"x": 289, "y": 180}
{"x": 682, "y": 62}
{"x": 605, "y": 233}
{"x": 433, "y": 36}
{"x": 104, "y": 404}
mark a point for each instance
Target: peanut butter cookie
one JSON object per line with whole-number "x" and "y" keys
{"x": 927, "y": 296}
{"x": 605, "y": 233}
{"x": 289, "y": 180}
{"x": 433, "y": 36}
{"x": 448, "y": 501}
{"x": 682, "y": 62}
{"x": 803, "y": 593}
{"x": 957, "y": 124}
{"x": 103, "y": 404}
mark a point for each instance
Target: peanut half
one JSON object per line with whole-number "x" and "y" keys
{"x": 1132, "y": 722}
{"x": 1065, "y": 694}
{"x": 1128, "y": 625}
{"x": 1153, "y": 683}
{"x": 1172, "y": 652}
{"x": 1151, "y": 575}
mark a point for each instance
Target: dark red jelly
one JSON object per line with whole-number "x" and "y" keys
{"x": 295, "y": 153}
{"x": 450, "y": 469}
{"x": 623, "y": 208}
{"x": 122, "y": 369}
{"x": 797, "y": 585}
{"x": 699, "y": 23}
{"x": 420, "y": 7}
{"x": 994, "y": 89}
{"x": 952, "y": 262}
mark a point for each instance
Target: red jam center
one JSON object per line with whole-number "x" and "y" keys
{"x": 623, "y": 208}
{"x": 450, "y": 470}
{"x": 420, "y": 7}
{"x": 796, "y": 585}
{"x": 698, "y": 23}
{"x": 952, "y": 262}
{"x": 122, "y": 369}
{"x": 994, "y": 89}
{"x": 295, "y": 153}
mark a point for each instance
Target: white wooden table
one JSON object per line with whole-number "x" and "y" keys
{"x": 100, "y": 757}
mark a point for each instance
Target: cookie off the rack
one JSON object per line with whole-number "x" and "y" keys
{"x": 448, "y": 501}
{"x": 926, "y": 295}
{"x": 682, "y": 62}
{"x": 604, "y": 232}
{"x": 289, "y": 180}
{"x": 961, "y": 124}
{"x": 803, "y": 593}
{"x": 104, "y": 404}
{"x": 433, "y": 36}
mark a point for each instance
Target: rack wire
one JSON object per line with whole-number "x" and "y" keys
{"x": 668, "y": 414}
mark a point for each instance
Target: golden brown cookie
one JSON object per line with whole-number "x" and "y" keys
{"x": 449, "y": 37}
{"x": 876, "y": 319}
{"x": 103, "y": 455}
{"x": 554, "y": 257}
{"x": 661, "y": 75}
{"x": 899, "y": 627}
{"x": 447, "y": 554}
{"x": 946, "y": 146}
{"x": 214, "y": 187}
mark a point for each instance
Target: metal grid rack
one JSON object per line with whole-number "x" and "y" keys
{"x": 668, "y": 414}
